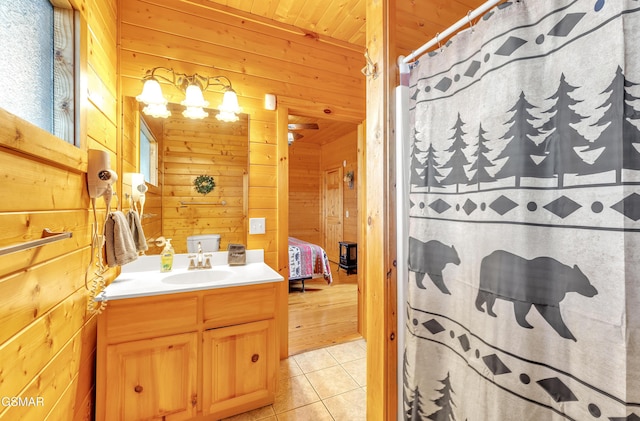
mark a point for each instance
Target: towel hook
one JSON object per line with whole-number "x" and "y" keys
{"x": 371, "y": 68}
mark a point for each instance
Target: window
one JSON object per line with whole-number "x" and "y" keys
{"x": 37, "y": 66}
{"x": 148, "y": 154}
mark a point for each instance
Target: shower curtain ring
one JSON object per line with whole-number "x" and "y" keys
{"x": 469, "y": 19}
{"x": 438, "y": 40}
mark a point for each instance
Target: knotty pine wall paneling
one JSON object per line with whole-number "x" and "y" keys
{"x": 47, "y": 337}
{"x": 378, "y": 216}
{"x": 307, "y": 163}
{"x": 305, "y": 192}
{"x": 198, "y": 36}
{"x": 262, "y": 200}
{"x": 334, "y": 155}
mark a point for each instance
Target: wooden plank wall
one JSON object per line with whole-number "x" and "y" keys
{"x": 379, "y": 228}
{"x": 334, "y": 155}
{"x": 307, "y": 162}
{"x": 198, "y": 36}
{"x": 305, "y": 189}
{"x": 47, "y": 337}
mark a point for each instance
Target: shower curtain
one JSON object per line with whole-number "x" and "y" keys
{"x": 523, "y": 294}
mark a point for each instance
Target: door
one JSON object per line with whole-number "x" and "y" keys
{"x": 152, "y": 379}
{"x": 332, "y": 195}
{"x": 239, "y": 368}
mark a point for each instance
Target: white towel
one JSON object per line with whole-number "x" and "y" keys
{"x": 136, "y": 231}
{"x": 119, "y": 244}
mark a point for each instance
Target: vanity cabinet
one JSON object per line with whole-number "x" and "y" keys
{"x": 152, "y": 379}
{"x": 204, "y": 354}
{"x": 237, "y": 362}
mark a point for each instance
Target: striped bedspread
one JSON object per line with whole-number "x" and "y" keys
{"x": 307, "y": 260}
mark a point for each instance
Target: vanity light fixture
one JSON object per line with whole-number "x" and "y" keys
{"x": 193, "y": 86}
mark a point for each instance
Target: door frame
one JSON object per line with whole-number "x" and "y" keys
{"x": 282, "y": 120}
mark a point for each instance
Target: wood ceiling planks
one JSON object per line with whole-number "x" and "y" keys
{"x": 344, "y": 20}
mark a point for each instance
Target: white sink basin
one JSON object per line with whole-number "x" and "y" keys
{"x": 198, "y": 277}
{"x": 142, "y": 278}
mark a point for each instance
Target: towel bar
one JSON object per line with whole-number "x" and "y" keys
{"x": 221, "y": 203}
{"x": 47, "y": 237}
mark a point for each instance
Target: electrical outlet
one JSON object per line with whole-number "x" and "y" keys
{"x": 256, "y": 226}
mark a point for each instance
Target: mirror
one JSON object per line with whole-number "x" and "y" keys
{"x": 191, "y": 154}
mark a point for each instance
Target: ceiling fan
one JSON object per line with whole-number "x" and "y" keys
{"x": 293, "y": 127}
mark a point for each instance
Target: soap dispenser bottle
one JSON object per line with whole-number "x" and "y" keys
{"x": 166, "y": 258}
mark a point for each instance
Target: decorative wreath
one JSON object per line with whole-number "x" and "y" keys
{"x": 204, "y": 184}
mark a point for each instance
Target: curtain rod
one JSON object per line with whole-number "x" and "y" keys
{"x": 450, "y": 30}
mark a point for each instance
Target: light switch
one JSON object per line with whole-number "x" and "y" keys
{"x": 256, "y": 226}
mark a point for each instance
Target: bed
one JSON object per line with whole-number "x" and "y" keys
{"x": 307, "y": 261}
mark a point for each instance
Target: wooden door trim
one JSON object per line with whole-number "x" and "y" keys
{"x": 282, "y": 316}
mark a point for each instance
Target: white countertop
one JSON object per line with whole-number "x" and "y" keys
{"x": 142, "y": 277}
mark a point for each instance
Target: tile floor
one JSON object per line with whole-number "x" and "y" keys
{"x": 324, "y": 384}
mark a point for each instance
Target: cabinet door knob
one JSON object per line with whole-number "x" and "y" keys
{"x": 138, "y": 389}
{"x": 255, "y": 357}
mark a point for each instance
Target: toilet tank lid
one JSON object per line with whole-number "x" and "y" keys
{"x": 202, "y": 237}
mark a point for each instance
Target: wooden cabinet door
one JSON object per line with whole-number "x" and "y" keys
{"x": 239, "y": 368}
{"x": 152, "y": 379}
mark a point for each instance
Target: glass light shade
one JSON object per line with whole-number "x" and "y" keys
{"x": 194, "y": 97}
{"x": 230, "y": 102}
{"x": 227, "y": 116}
{"x": 195, "y": 113}
{"x": 157, "y": 110}
{"x": 151, "y": 93}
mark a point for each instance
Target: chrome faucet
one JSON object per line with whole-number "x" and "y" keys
{"x": 198, "y": 261}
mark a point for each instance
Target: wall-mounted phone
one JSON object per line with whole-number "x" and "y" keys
{"x": 100, "y": 176}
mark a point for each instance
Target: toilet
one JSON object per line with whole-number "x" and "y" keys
{"x": 208, "y": 242}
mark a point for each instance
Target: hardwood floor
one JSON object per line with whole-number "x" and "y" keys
{"x": 324, "y": 314}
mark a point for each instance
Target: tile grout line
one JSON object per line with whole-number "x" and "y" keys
{"x": 320, "y": 399}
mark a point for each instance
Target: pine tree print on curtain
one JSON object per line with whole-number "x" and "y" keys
{"x": 524, "y": 218}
